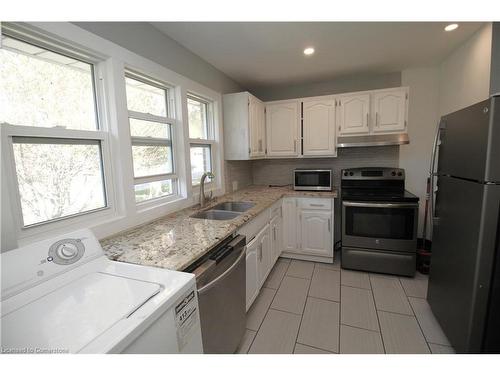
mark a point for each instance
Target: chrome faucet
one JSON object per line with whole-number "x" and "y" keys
{"x": 203, "y": 198}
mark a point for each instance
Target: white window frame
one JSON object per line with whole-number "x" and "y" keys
{"x": 111, "y": 63}
{"x": 169, "y": 119}
{"x": 100, "y": 134}
{"x": 211, "y": 140}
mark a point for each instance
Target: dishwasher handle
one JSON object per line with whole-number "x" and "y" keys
{"x": 226, "y": 272}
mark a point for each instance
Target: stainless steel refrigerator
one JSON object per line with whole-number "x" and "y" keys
{"x": 464, "y": 280}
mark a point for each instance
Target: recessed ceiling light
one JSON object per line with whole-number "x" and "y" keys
{"x": 309, "y": 51}
{"x": 451, "y": 27}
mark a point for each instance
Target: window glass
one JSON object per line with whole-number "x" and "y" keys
{"x": 151, "y": 160}
{"x": 58, "y": 178}
{"x": 198, "y": 119}
{"x": 200, "y": 162}
{"x": 45, "y": 89}
{"x": 151, "y": 190}
{"x": 141, "y": 128}
{"x": 145, "y": 98}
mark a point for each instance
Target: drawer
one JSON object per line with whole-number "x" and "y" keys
{"x": 316, "y": 203}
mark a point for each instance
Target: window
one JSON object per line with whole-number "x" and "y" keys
{"x": 201, "y": 137}
{"x": 45, "y": 89}
{"x": 48, "y": 103}
{"x": 151, "y": 132}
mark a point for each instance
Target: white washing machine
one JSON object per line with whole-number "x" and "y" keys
{"x": 64, "y": 296}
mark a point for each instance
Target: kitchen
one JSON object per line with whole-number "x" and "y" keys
{"x": 227, "y": 197}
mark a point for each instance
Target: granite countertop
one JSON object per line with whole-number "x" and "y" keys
{"x": 176, "y": 241}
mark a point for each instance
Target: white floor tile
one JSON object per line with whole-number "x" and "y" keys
{"x": 276, "y": 275}
{"x": 325, "y": 284}
{"x": 357, "y": 308}
{"x": 246, "y": 341}
{"x": 430, "y": 326}
{"x": 401, "y": 334}
{"x": 291, "y": 295}
{"x": 320, "y": 325}
{"x": 389, "y": 295}
{"x": 415, "y": 286}
{"x": 355, "y": 279}
{"x": 300, "y": 268}
{"x": 305, "y": 349}
{"x": 277, "y": 333}
{"x": 360, "y": 341}
{"x": 258, "y": 311}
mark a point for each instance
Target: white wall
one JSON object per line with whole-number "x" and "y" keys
{"x": 422, "y": 119}
{"x": 147, "y": 41}
{"x": 465, "y": 73}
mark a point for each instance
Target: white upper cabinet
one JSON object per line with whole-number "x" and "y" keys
{"x": 389, "y": 110}
{"x": 353, "y": 115}
{"x": 257, "y": 127}
{"x": 244, "y": 127}
{"x": 318, "y": 127}
{"x": 282, "y": 128}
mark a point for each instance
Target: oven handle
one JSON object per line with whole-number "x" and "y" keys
{"x": 379, "y": 205}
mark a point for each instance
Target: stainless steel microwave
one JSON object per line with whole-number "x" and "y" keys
{"x": 312, "y": 179}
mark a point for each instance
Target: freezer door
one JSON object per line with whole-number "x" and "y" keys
{"x": 468, "y": 142}
{"x": 462, "y": 255}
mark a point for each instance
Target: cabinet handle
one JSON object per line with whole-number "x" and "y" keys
{"x": 367, "y": 119}
{"x": 295, "y": 146}
{"x": 274, "y": 233}
{"x": 376, "y": 119}
{"x": 260, "y": 252}
{"x": 260, "y": 145}
{"x": 316, "y": 205}
{"x": 329, "y": 225}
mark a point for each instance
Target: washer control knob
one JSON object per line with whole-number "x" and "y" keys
{"x": 67, "y": 251}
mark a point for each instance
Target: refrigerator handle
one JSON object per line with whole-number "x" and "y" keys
{"x": 432, "y": 175}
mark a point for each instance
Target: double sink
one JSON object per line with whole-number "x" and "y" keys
{"x": 224, "y": 211}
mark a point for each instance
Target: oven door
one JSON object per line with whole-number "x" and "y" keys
{"x": 380, "y": 225}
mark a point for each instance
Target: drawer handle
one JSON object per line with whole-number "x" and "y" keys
{"x": 316, "y": 205}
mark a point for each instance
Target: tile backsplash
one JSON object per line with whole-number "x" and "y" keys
{"x": 238, "y": 174}
{"x": 280, "y": 171}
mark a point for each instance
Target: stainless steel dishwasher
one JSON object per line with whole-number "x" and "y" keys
{"x": 220, "y": 280}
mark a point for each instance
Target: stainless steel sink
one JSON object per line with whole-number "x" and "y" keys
{"x": 216, "y": 215}
{"x": 234, "y": 206}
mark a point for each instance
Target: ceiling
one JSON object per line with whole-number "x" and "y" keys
{"x": 260, "y": 54}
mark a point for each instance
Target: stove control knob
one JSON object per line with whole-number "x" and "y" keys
{"x": 393, "y": 173}
{"x": 351, "y": 173}
{"x": 400, "y": 174}
{"x": 345, "y": 173}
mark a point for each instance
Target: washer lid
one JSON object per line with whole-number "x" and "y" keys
{"x": 70, "y": 317}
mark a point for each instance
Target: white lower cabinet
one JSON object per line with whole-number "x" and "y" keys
{"x": 316, "y": 236}
{"x": 299, "y": 228}
{"x": 290, "y": 224}
{"x": 252, "y": 272}
{"x": 264, "y": 254}
{"x": 276, "y": 237}
{"x": 308, "y": 228}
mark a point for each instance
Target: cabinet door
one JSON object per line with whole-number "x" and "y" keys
{"x": 276, "y": 237}
{"x": 252, "y": 273}
{"x": 256, "y": 126}
{"x": 290, "y": 225}
{"x": 282, "y": 128}
{"x": 353, "y": 114}
{"x": 264, "y": 253}
{"x": 318, "y": 124}
{"x": 316, "y": 232}
{"x": 390, "y": 111}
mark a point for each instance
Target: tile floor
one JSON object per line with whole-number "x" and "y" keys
{"x": 315, "y": 308}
